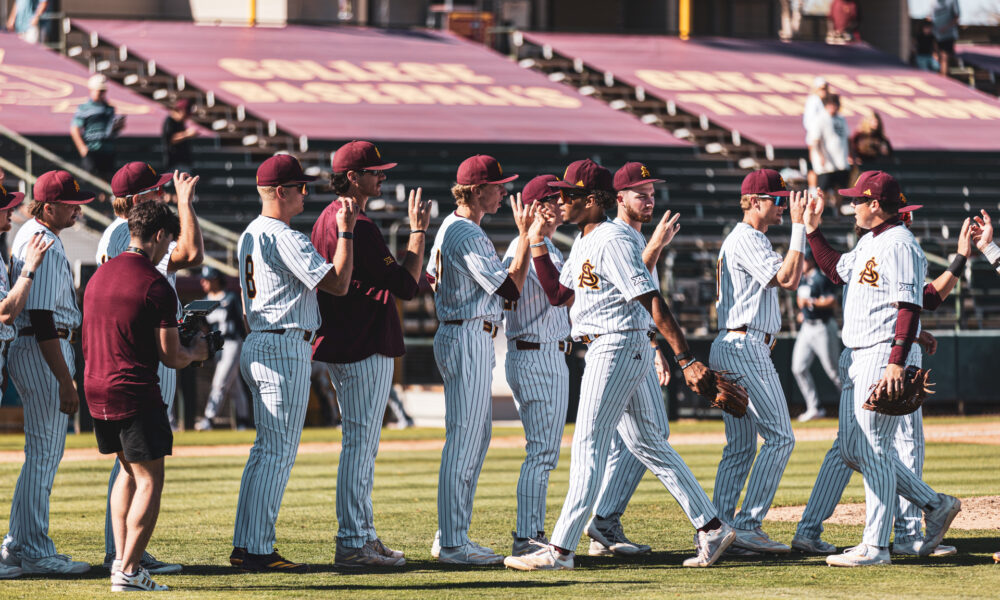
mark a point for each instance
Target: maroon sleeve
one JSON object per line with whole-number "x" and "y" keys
{"x": 548, "y": 276}
{"x": 907, "y": 323}
{"x": 825, "y": 256}
{"x": 508, "y": 290}
{"x": 43, "y": 324}
{"x": 163, "y": 300}
{"x": 374, "y": 265}
{"x": 932, "y": 299}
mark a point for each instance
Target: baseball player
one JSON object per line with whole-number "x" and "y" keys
{"x": 280, "y": 272}
{"x": 881, "y": 321}
{"x": 41, "y": 364}
{"x": 611, "y": 296}
{"x": 749, "y": 274}
{"x": 536, "y": 368}
{"x": 470, "y": 284}
{"x": 134, "y": 183}
{"x": 227, "y": 319}
{"x": 359, "y": 340}
{"x": 817, "y": 337}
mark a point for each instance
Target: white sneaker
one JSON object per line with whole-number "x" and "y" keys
{"x": 470, "y": 553}
{"x": 812, "y": 546}
{"x": 710, "y": 545}
{"x": 863, "y": 556}
{"x": 937, "y": 522}
{"x": 809, "y": 415}
{"x": 758, "y": 541}
{"x": 9, "y": 572}
{"x": 608, "y": 538}
{"x": 436, "y": 545}
{"x": 203, "y": 424}
{"x": 57, "y": 564}
{"x": 527, "y": 545}
{"x": 10, "y": 556}
{"x": 140, "y": 581}
{"x": 546, "y": 558}
{"x": 913, "y": 549}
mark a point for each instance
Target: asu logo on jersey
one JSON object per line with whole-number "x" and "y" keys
{"x": 587, "y": 276}
{"x": 869, "y": 275}
{"x": 388, "y": 260}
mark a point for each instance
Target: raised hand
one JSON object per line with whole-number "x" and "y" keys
{"x": 797, "y": 202}
{"x": 419, "y": 211}
{"x": 523, "y": 215}
{"x": 813, "y": 214}
{"x": 982, "y": 230}
{"x": 184, "y": 184}
{"x": 665, "y": 230}
{"x": 965, "y": 239}
{"x": 543, "y": 225}
{"x": 347, "y": 215}
{"x": 37, "y": 247}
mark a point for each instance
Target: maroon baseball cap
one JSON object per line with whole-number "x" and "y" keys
{"x": 135, "y": 178}
{"x": 281, "y": 169}
{"x": 875, "y": 185}
{"x": 358, "y": 156}
{"x": 59, "y": 186}
{"x": 538, "y": 189}
{"x": 480, "y": 169}
{"x": 633, "y": 174}
{"x": 586, "y": 175}
{"x": 765, "y": 182}
{"x": 9, "y": 199}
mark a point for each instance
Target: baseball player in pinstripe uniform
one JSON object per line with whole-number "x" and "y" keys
{"x": 749, "y": 274}
{"x": 635, "y": 186}
{"x": 280, "y": 272}
{"x": 41, "y": 364}
{"x": 880, "y": 324}
{"x": 612, "y": 297}
{"x": 134, "y": 183}
{"x": 537, "y": 346}
{"x": 360, "y": 337}
{"x": 470, "y": 283}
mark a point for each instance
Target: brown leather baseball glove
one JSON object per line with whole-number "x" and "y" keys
{"x": 916, "y": 388}
{"x": 730, "y": 396}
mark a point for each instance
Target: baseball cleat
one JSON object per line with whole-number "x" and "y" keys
{"x": 237, "y": 557}
{"x": 546, "y": 558}
{"x": 734, "y": 551}
{"x": 913, "y": 549}
{"x": 527, "y": 545}
{"x": 861, "y": 556}
{"x": 937, "y": 522}
{"x": 608, "y": 538}
{"x": 270, "y": 563}
{"x": 710, "y": 545}
{"x": 10, "y": 556}
{"x": 363, "y": 557}
{"x": 9, "y": 572}
{"x": 812, "y": 546}
{"x": 384, "y": 550}
{"x": 148, "y": 562}
{"x": 470, "y": 553}
{"x": 57, "y": 564}
{"x": 758, "y": 541}
{"x": 140, "y": 581}
{"x": 436, "y": 545}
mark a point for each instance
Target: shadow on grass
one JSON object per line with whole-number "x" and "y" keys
{"x": 443, "y": 585}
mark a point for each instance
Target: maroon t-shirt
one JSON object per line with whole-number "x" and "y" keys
{"x": 125, "y": 302}
{"x": 365, "y": 321}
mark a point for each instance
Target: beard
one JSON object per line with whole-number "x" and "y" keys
{"x": 635, "y": 216}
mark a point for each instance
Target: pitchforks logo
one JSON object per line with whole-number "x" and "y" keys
{"x": 587, "y": 276}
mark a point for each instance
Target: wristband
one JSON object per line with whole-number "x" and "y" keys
{"x": 797, "y": 241}
{"x": 682, "y": 357}
{"x": 412, "y": 231}
{"x": 537, "y": 244}
{"x": 684, "y": 368}
{"x": 957, "y": 265}
{"x": 347, "y": 235}
{"x": 992, "y": 254}
{"x": 28, "y": 274}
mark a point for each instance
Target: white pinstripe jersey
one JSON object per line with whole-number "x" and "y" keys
{"x": 53, "y": 286}
{"x": 279, "y": 272}
{"x": 116, "y": 238}
{"x": 467, "y": 272}
{"x": 888, "y": 268}
{"x": 747, "y": 264}
{"x": 641, "y": 240}
{"x": 6, "y": 331}
{"x": 532, "y": 318}
{"x": 605, "y": 270}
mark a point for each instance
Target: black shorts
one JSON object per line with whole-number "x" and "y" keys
{"x": 143, "y": 437}
{"x": 946, "y": 46}
{"x": 836, "y": 180}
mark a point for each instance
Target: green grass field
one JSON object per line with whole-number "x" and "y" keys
{"x": 199, "y": 502}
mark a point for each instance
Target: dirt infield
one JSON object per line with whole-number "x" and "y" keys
{"x": 977, "y": 513}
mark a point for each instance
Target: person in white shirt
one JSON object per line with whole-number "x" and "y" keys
{"x": 828, "y": 151}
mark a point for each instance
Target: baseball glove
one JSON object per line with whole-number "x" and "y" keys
{"x": 730, "y": 396}
{"x": 916, "y": 388}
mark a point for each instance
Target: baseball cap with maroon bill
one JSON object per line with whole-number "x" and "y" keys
{"x": 586, "y": 175}
{"x": 59, "y": 186}
{"x": 281, "y": 169}
{"x": 359, "y": 156}
{"x": 538, "y": 189}
{"x": 633, "y": 174}
{"x": 135, "y": 178}
{"x": 875, "y": 185}
{"x": 764, "y": 182}
{"x": 9, "y": 199}
{"x": 480, "y": 169}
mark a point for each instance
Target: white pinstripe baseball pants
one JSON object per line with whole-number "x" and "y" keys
{"x": 815, "y": 339}
{"x": 465, "y": 356}
{"x": 362, "y": 392}
{"x": 620, "y": 392}
{"x": 44, "y": 442}
{"x": 746, "y": 355}
{"x": 276, "y": 367}
{"x": 539, "y": 380}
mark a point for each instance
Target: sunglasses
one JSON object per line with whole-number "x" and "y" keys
{"x": 573, "y": 194}
{"x": 859, "y": 200}
{"x": 778, "y": 200}
{"x": 370, "y": 172}
{"x": 301, "y": 187}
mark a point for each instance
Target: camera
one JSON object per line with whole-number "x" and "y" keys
{"x": 194, "y": 323}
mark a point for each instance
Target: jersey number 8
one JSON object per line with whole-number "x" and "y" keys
{"x": 251, "y": 286}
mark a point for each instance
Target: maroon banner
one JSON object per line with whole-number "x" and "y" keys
{"x": 759, "y": 87}
{"x": 356, "y": 83}
{"x": 40, "y": 90}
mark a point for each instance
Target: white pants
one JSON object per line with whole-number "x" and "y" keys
{"x": 226, "y": 383}
{"x": 815, "y": 339}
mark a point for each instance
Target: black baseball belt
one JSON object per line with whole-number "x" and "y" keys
{"x": 64, "y": 334}
{"x": 564, "y": 346}
{"x": 488, "y": 327}
{"x": 769, "y": 340}
{"x": 307, "y": 336}
{"x": 589, "y": 339}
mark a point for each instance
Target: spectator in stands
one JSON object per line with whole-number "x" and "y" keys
{"x": 177, "y": 135}
{"x": 226, "y": 382}
{"x": 925, "y": 47}
{"x": 869, "y": 142}
{"x": 845, "y": 21}
{"x": 95, "y": 127}
{"x": 811, "y": 112}
{"x": 816, "y": 298}
{"x": 26, "y": 19}
{"x": 828, "y": 152}
{"x": 791, "y": 19}
{"x": 945, "y": 15}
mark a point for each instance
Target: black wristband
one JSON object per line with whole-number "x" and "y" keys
{"x": 957, "y": 265}
{"x": 347, "y": 235}
{"x": 28, "y": 274}
{"x": 412, "y": 231}
{"x": 682, "y": 357}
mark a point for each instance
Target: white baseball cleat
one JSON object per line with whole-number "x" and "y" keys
{"x": 758, "y": 541}
{"x": 913, "y": 549}
{"x": 436, "y": 545}
{"x": 810, "y": 415}
{"x": 140, "y": 581}
{"x": 148, "y": 562}
{"x": 812, "y": 546}
{"x": 470, "y": 553}
{"x": 57, "y": 564}
{"x": 710, "y": 546}
{"x": 528, "y": 545}
{"x": 546, "y": 558}
{"x": 608, "y": 538}
{"x": 9, "y": 572}
{"x": 937, "y": 522}
{"x": 860, "y": 556}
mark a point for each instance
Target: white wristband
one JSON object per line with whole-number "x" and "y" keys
{"x": 798, "y": 239}
{"x": 992, "y": 253}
